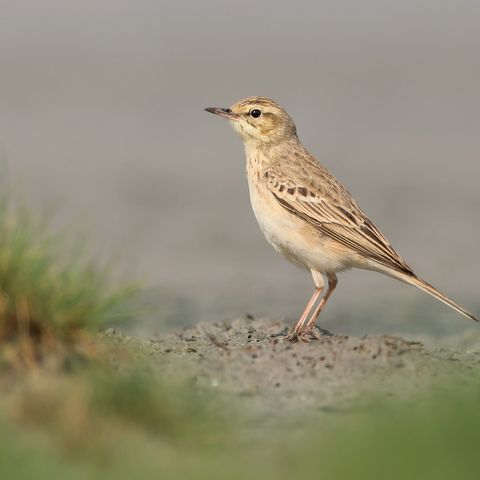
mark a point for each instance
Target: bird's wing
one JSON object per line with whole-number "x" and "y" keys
{"x": 337, "y": 217}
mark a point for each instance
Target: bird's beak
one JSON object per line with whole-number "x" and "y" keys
{"x": 223, "y": 112}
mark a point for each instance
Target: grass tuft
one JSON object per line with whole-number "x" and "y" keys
{"x": 50, "y": 295}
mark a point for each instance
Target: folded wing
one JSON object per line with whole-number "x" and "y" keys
{"x": 340, "y": 220}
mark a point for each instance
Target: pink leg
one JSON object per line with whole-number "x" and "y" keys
{"x": 332, "y": 283}
{"x": 309, "y": 306}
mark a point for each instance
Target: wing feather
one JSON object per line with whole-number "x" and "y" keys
{"x": 344, "y": 222}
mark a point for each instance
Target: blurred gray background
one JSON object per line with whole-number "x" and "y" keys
{"x": 101, "y": 119}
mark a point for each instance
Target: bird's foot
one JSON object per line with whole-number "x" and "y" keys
{"x": 292, "y": 336}
{"x": 304, "y": 335}
{"x": 315, "y": 333}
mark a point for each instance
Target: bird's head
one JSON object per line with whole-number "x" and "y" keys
{"x": 258, "y": 119}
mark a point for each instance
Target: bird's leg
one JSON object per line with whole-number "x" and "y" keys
{"x": 293, "y": 334}
{"x": 319, "y": 284}
{"x": 332, "y": 283}
{"x": 308, "y": 308}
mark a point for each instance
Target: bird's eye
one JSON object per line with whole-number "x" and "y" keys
{"x": 255, "y": 113}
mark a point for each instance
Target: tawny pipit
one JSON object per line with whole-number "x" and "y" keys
{"x": 305, "y": 213}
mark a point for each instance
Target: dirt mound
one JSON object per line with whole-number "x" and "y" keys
{"x": 245, "y": 359}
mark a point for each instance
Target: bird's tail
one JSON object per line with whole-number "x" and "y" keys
{"x": 412, "y": 279}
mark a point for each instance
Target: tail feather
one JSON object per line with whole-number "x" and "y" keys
{"x": 412, "y": 279}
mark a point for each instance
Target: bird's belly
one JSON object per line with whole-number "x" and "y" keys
{"x": 297, "y": 241}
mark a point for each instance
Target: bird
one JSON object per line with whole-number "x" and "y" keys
{"x": 306, "y": 214}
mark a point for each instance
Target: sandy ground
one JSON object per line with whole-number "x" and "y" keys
{"x": 241, "y": 359}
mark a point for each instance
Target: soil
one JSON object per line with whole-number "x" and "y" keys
{"x": 246, "y": 361}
